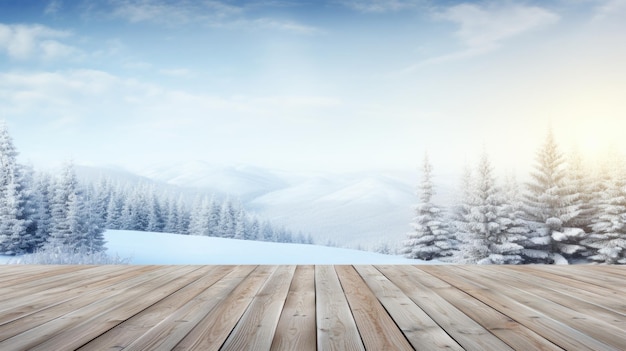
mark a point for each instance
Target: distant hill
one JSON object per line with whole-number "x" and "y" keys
{"x": 362, "y": 209}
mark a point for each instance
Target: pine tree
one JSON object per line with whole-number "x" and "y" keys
{"x": 171, "y": 216}
{"x": 14, "y": 238}
{"x": 65, "y": 192}
{"x": 491, "y": 235}
{"x": 43, "y": 218}
{"x": 114, "y": 210}
{"x": 549, "y": 207}
{"x": 199, "y": 222}
{"x": 431, "y": 237}
{"x": 254, "y": 230}
{"x": 214, "y": 218}
{"x": 241, "y": 230}
{"x": 227, "y": 220}
{"x": 155, "y": 220}
{"x": 182, "y": 221}
{"x": 93, "y": 223}
{"x": 607, "y": 241}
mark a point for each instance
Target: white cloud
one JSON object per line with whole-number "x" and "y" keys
{"x": 610, "y": 9}
{"x": 487, "y": 26}
{"x": 212, "y": 13}
{"x": 483, "y": 28}
{"x": 23, "y": 42}
{"x": 284, "y": 25}
{"x": 53, "y": 7}
{"x": 380, "y": 6}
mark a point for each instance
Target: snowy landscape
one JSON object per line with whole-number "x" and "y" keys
{"x": 448, "y": 132}
{"x": 162, "y": 248}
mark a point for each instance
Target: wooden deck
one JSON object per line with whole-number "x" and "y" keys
{"x": 312, "y": 307}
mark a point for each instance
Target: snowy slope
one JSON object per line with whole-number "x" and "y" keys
{"x": 361, "y": 209}
{"x": 161, "y": 248}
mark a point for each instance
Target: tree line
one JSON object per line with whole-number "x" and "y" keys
{"x": 567, "y": 212}
{"x": 39, "y": 210}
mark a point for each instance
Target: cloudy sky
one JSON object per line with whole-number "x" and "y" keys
{"x": 310, "y": 85}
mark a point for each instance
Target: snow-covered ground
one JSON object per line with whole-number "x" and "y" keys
{"x": 163, "y": 248}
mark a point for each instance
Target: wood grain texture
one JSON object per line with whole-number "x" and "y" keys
{"x": 467, "y": 332}
{"x": 296, "y": 327}
{"x": 508, "y": 330}
{"x": 378, "y": 331}
{"x": 336, "y": 329}
{"x": 505, "y": 300}
{"x": 312, "y": 307}
{"x": 211, "y": 332}
{"x": 422, "y": 332}
{"x": 256, "y": 327}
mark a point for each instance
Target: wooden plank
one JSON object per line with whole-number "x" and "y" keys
{"x": 78, "y": 326}
{"x": 255, "y": 329}
{"x": 22, "y": 322}
{"x": 171, "y": 330}
{"x": 603, "y": 280}
{"x": 336, "y": 328}
{"x": 506, "y": 329}
{"x": 611, "y": 333}
{"x": 211, "y": 332}
{"x": 616, "y": 271}
{"x": 599, "y": 296}
{"x": 12, "y": 275}
{"x": 164, "y": 316}
{"x": 563, "y": 295}
{"x": 296, "y": 327}
{"x": 378, "y": 331}
{"x": 44, "y": 279}
{"x": 421, "y": 331}
{"x": 467, "y": 332}
{"x": 500, "y": 298}
{"x": 86, "y": 281}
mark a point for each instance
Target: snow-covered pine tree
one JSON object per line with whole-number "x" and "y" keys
{"x": 227, "y": 219}
{"x": 215, "y": 210}
{"x": 548, "y": 206}
{"x": 491, "y": 236}
{"x": 44, "y": 191}
{"x": 155, "y": 219}
{"x": 254, "y": 229}
{"x": 182, "y": 222}
{"x": 93, "y": 222}
{"x": 580, "y": 194}
{"x": 241, "y": 225}
{"x": 199, "y": 223}
{"x": 479, "y": 216}
{"x": 103, "y": 191}
{"x": 14, "y": 238}
{"x": 171, "y": 218}
{"x": 607, "y": 241}
{"x": 115, "y": 208}
{"x": 431, "y": 237}
{"x": 66, "y": 191}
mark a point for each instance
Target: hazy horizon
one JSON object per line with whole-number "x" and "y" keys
{"x": 334, "y": 86}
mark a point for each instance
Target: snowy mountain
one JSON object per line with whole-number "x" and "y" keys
{"x": 362, "y": 209}
{"x": 243, "y": 182}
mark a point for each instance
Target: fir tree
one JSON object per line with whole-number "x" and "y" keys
{"x": 607, "y": 241}
{"x": 491, "y": 236}
{"x": 14, "y": 238}
{"x": 431, "y": 237}
{"x": 549, "y": 207}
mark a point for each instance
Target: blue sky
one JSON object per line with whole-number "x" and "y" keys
{"x": 311, "y": 85}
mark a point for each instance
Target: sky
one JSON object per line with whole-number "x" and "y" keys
{"x": 338, "y": 85}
